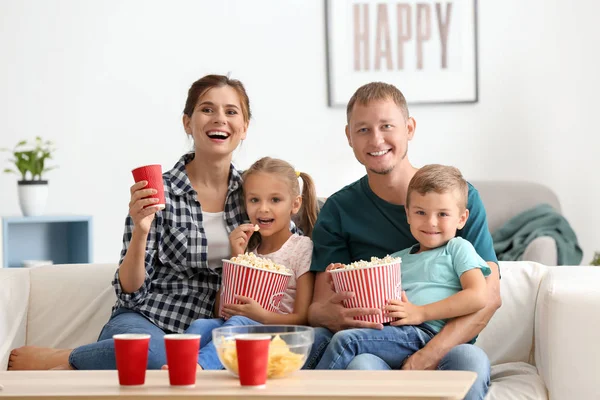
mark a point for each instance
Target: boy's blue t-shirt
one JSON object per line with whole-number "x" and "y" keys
{"x": 355, "y": 224}
{"x": 434, "y": 275}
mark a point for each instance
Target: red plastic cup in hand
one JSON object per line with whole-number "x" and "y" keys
{"x": 131, "y": 351}
{"x": 253, "y": 359}
{"x": 182, "y": 358}
{"x": 152, "y": 174}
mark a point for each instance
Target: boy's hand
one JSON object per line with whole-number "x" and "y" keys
{"x": 406, "y": 312}
{"x": 249, "y": 309}
{"x": 239, "y": 237}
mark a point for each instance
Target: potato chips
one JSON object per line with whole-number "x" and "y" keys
{"x": 282, "y": 360}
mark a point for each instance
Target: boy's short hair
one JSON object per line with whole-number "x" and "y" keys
{"x": 439, "y": 179}
{"x": 377, "y": 91}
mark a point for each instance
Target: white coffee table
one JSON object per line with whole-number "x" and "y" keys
{"x": 220, "y": 385}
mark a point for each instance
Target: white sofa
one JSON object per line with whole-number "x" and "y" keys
{"x": 542, "y": 343}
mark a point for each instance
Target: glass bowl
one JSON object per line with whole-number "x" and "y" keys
{"x": 289, "y": 348}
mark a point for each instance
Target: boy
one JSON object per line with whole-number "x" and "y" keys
{"x": 442, "y": 275}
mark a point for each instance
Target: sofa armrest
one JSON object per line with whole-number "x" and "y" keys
{"x": 567, "y": 326}
{"x": 542, "y": 250}
{"x": 14, "y": 304}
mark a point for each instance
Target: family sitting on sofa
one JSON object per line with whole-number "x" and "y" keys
{"x": 169, "y": 273}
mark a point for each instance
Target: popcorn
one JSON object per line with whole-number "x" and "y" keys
{"x": 256, "y": 228}
{"x": 374, "y": 261}
{"x": 251, "y": 260}
{"x": 374, "y": 283}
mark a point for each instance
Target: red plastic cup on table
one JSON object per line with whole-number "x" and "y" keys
{"x": 182, "y": 358}
{"x": 131, "y": 352}
{"x": 253, "y": 359}
{"x": 152, "y": 174}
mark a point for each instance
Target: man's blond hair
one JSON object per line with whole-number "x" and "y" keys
{"x": 377, "y": 91}
{"x": 439, "y": 179}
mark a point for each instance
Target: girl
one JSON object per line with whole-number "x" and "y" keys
{"x": 272, "y": 196}
{"x": 168, "y": 275}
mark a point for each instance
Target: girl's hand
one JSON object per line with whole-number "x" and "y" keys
{"x": 142, "y": 217}
{"x": 249, "y": 309}
{"x": 331, "y": 267}
{"x": 406, "y": 312}
{"x": 239, "y": 237}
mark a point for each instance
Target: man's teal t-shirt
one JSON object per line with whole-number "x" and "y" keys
{"x": 355, "y": 224}
{"x": 434, "y": 275}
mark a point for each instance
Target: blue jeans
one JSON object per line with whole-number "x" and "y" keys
{"x": 393, "y": 344}
{"x": 101, "y": 355}
{"x": 464, "y": 357}
{"x": 322, "y": 338}
{"x": 207, "y": 357}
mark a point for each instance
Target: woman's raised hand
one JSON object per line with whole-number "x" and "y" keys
{"x": 142, "y": 217}
{"x": 239, "y": 237}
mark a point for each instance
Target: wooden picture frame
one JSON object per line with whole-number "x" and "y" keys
{"x": 426, "y": 48}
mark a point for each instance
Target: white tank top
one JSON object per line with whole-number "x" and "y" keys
{"x": 217, "y": 238}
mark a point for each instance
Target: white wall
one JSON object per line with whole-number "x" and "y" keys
{"x": 107, "y": 81}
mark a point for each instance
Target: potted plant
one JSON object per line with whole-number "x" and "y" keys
{"x": 596, "y": 260}
{"x": 30, "y": 162}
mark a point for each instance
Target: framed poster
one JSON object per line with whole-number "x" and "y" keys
{"x": 426, "y": 48}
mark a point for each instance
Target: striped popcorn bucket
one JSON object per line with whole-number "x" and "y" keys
{"x": 265, "y": 287}
{"x": 373, "y": 287}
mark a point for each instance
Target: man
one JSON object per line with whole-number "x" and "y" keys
{"x": 367, "y": 218}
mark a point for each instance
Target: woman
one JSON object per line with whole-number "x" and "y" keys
{"x": 169, "y": 274}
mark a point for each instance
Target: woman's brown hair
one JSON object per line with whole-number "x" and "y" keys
{"x": 208, "y": 82}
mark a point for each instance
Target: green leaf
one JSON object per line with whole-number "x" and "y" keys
{"x": 9, "y": 171}
{"x": 31, "y": 163}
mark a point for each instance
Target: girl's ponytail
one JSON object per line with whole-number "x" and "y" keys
{"x": 308, "y": 210}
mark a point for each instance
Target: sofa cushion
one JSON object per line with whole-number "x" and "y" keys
{"x": 508, "y": 337}
{"x": 505, "y": 199}
{"x": 69, "y": 304}
{"x": 516, "y": 381}
{"x": 14, "y": 299}
{"x": 543, "y": 250}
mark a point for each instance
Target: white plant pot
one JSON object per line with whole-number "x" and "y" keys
{"x": 32, "y": 197}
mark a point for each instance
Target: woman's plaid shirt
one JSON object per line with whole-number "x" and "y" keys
{"x": 179, "y": 286}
